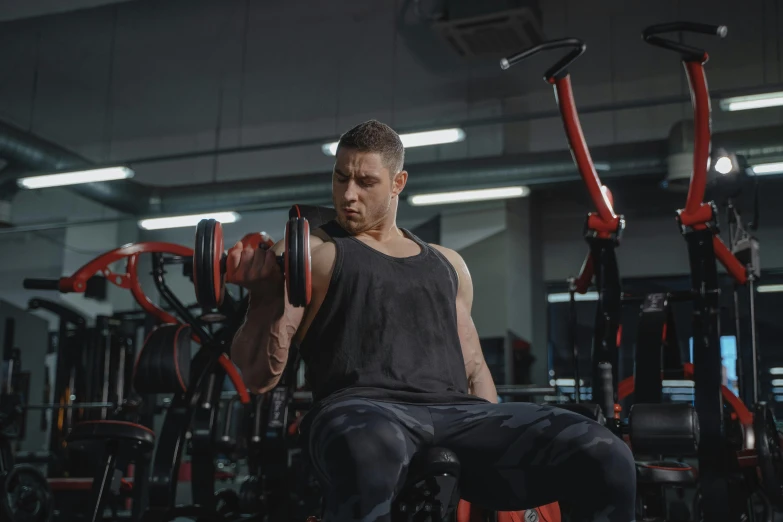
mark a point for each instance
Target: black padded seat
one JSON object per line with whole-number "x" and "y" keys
{"x": 430, "y": 492}
{"x": 106, "y": 430}
{"x": 665, "y": 473}
{"x": 433, "y": 461}
{"x": 590, "y": 410}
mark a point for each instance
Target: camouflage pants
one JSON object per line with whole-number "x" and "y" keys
{"x": 513, "y": 456}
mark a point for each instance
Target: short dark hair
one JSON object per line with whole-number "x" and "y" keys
{"x": 374, "y": 136}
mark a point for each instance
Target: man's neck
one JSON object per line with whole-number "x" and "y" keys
{"x": 382, "y": 233}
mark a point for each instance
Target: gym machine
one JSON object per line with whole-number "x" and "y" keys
{"x": 117, "y": 436}
{"x": 603, "y": 231}
{"x": 25, "y": 494}
{"x": 698, "y": 226}
{"x": 727, "y": 467}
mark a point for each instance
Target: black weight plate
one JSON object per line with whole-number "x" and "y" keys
{"x": 292, "y": 261}
{"x": 287, "y": 261}
{"x": 26, "y": 496}
{"x": 305, "y": 281}
{"x": 200, "y": 263}
{"x": 296, "y": 261}
{"x": 207, "y": 269}
{"x": 769, "y": 454}
{"x": 194, "y": 269}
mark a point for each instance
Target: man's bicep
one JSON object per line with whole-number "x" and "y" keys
{"x": 468, "y": 335}
{"x": 279, "y": 247}
{"x": 465, "y": 292}
{"x": 469, "y": 340}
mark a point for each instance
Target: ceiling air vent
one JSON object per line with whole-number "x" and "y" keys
{"x": 492, "y": 35}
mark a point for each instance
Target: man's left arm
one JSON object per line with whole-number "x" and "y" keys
{"x": 480, "y": 382}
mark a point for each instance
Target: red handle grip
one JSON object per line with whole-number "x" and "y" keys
{"x": 702, "y": 134}
{"x": 729, "y": 261}
{"x": 576, "y": 141}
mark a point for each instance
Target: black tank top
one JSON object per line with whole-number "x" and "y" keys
{"x": 387, "y": 328}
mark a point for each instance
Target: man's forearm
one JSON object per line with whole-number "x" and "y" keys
{"x": 260, "y": 346}
{"x": 482, "y": 385}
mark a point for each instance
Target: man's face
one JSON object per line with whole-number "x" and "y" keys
{"x": 362, "y": 189}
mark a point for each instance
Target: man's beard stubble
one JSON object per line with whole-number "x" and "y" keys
{"x": 368, "y": 219}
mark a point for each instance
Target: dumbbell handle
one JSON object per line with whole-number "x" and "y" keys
{"x": 280, "y": 262}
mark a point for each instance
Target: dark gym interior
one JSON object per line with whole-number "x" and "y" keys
{"x": 609, "y": 175}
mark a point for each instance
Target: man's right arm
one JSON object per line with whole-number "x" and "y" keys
{"x": 260, "y": 346}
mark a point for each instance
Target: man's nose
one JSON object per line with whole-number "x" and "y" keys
{"x": 350, "y": 191}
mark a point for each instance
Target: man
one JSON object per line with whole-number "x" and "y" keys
{"x": 394, "y": 363}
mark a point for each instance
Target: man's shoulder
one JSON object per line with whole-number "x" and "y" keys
{"x": 452, "y": 255}
{"x": 323, "y": 253}
{"x": 319, "y": 236}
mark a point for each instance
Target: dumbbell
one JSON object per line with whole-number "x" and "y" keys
{"x": 209, "y": 261}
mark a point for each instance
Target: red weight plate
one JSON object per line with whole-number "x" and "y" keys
{"x": 218, "y": 282}
{"x": 194, "y": 270}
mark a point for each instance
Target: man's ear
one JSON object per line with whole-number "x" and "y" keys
{"x": 398, "y": 182}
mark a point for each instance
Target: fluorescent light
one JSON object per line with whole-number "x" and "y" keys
{"x": 765, "y": 289}
{"x": 724, "y": 165}
{"x": 768, "y": 168}
{"x": 75, "y": 177}
{"x": 415, "y": 139}
{"x": 566, "y": 297}
{"x": 777, "y": 382}
{"x": 186, "y": 221}
{"x": 776, "y": 371}
{"x": 468, "y": 195}
{"x": 754, "y": 101}
{"x": 330, "y": 149}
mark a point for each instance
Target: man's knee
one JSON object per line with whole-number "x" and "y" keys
{"x": 609, "y": 458}
{"x": 363, "y": 446}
